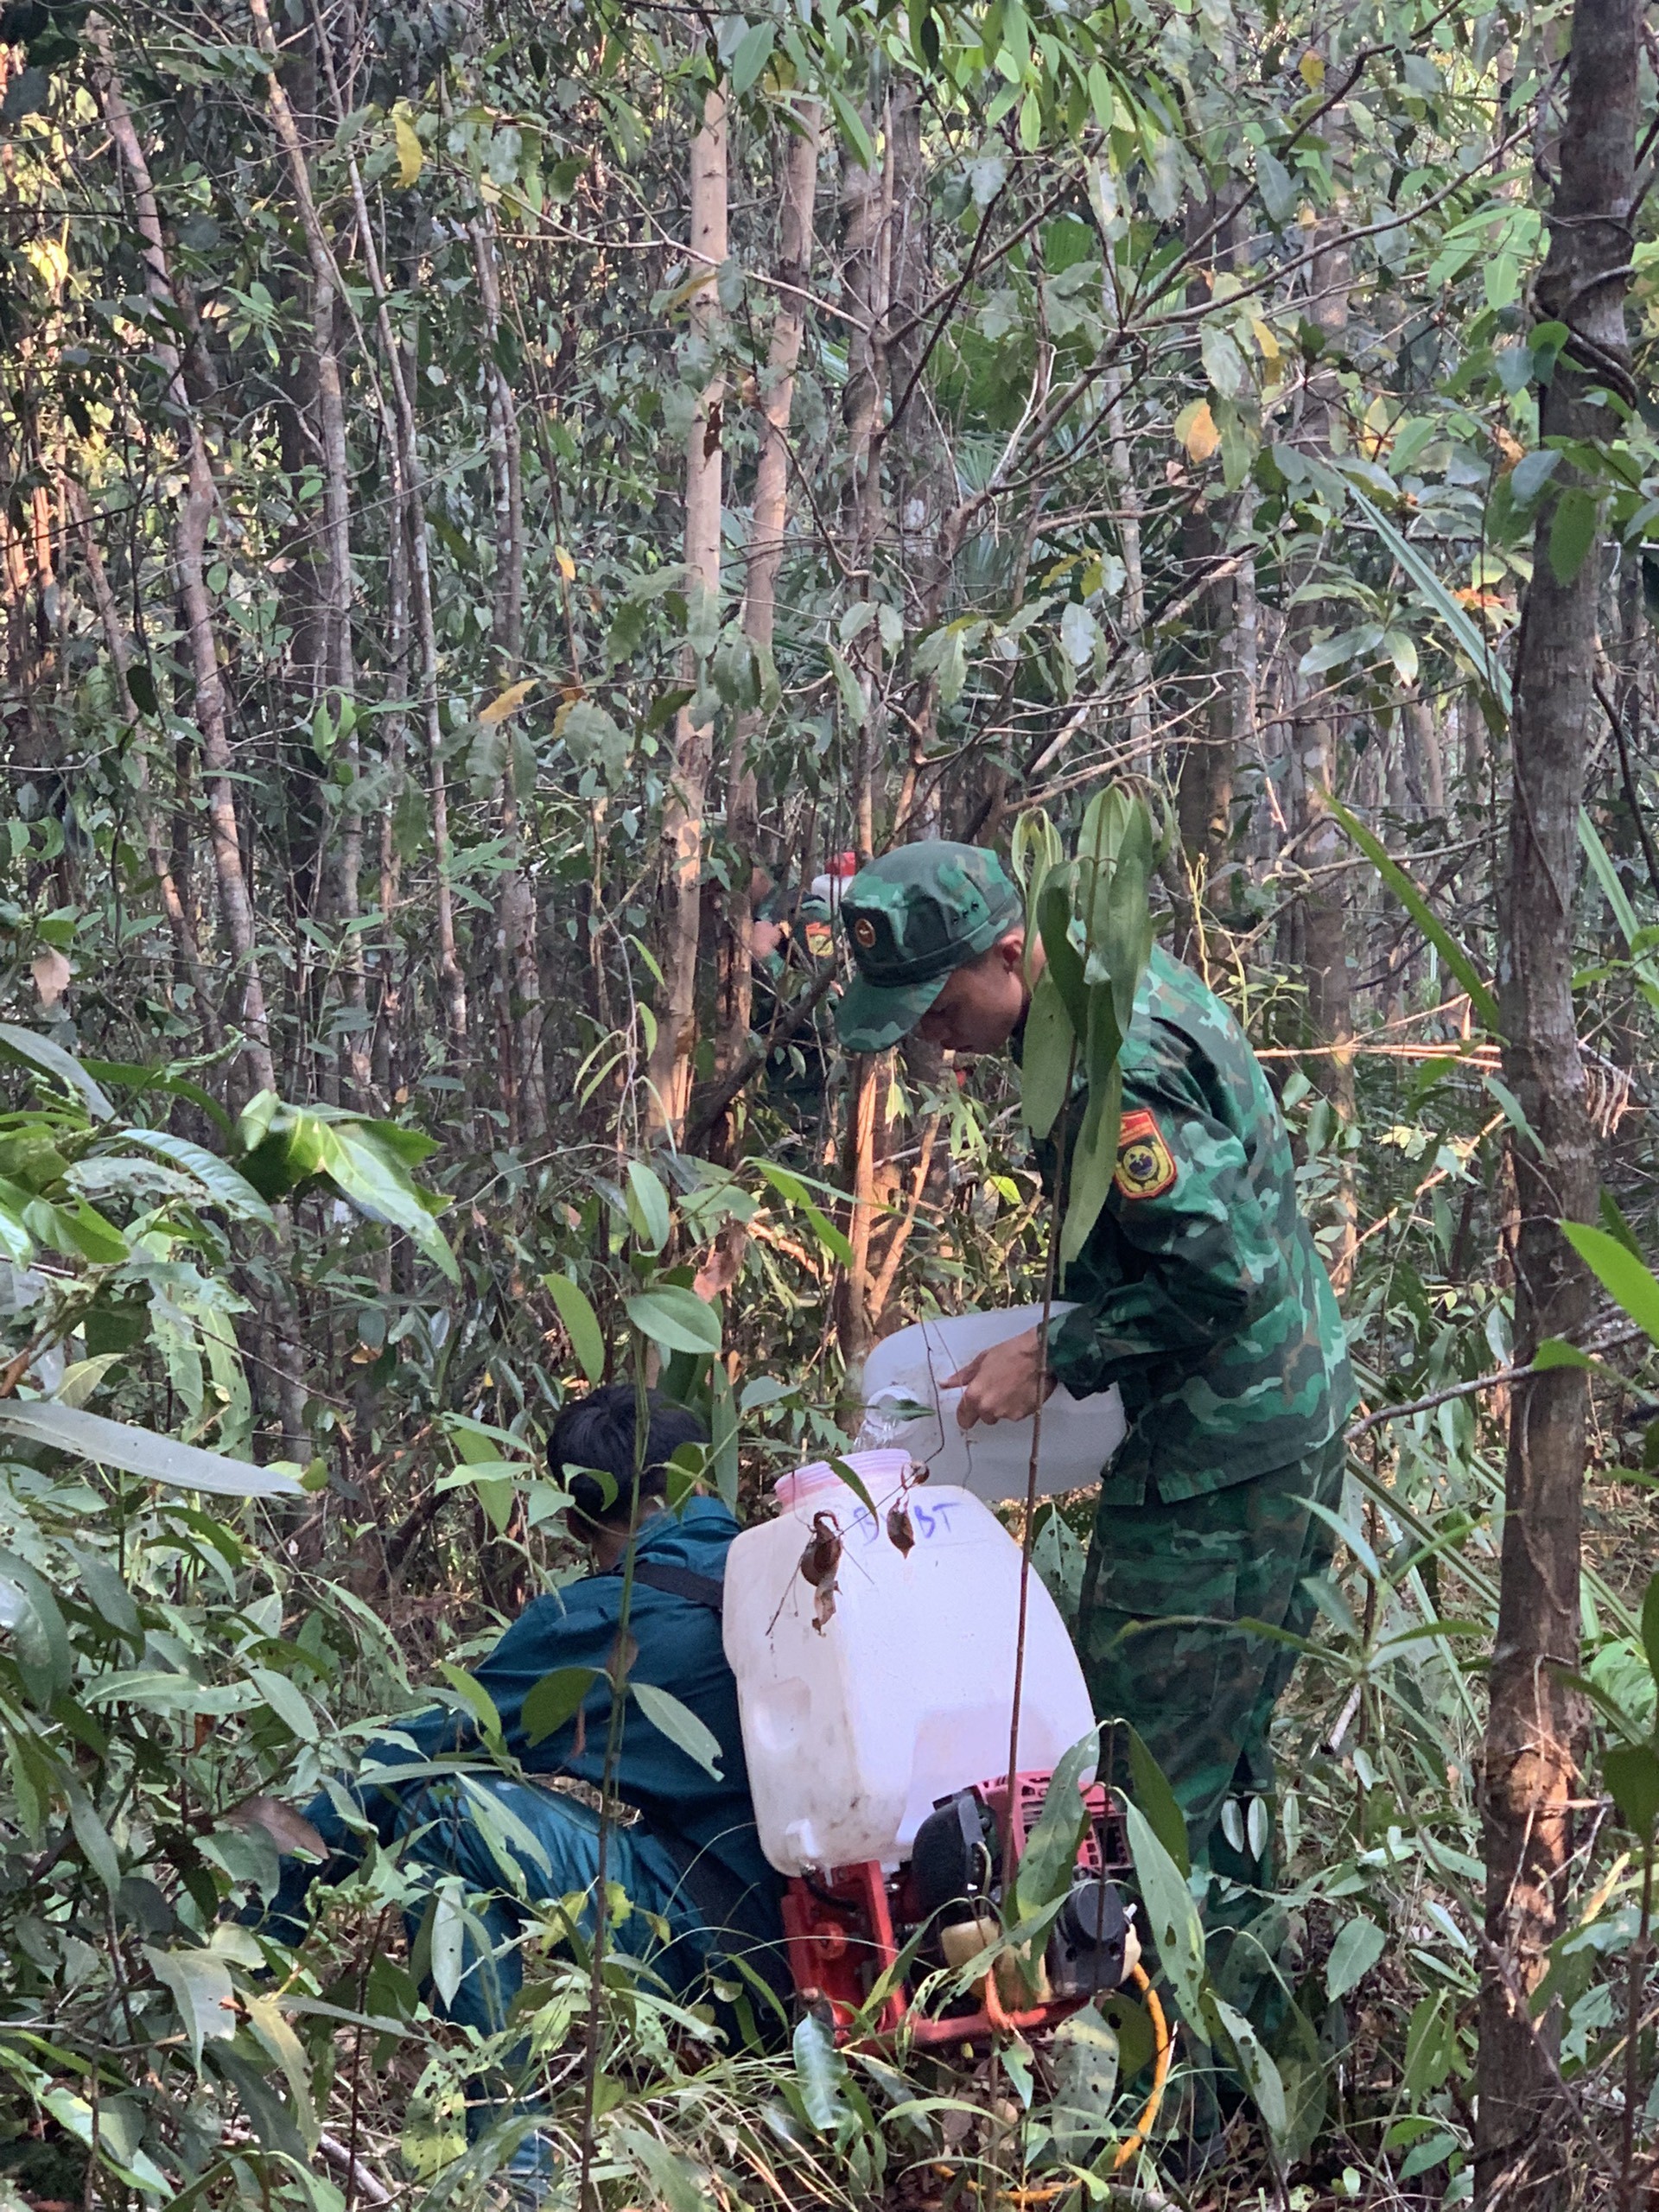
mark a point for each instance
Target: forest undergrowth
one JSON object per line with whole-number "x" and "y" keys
{"x": 170, "y": 1656}
{"x": 500, "y": 505}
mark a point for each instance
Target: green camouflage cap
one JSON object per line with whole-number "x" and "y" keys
{"x": 912, "y": 918}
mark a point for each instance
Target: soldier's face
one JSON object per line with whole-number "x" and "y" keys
{"x": 980, "y": 1007}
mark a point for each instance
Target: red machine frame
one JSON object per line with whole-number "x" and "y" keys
{"x": 841, "y": 1937}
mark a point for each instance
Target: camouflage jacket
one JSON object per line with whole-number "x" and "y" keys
{"x": 1200, "y": 1292}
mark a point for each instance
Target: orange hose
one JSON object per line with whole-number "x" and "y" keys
{"x": 1164, "y": 2041}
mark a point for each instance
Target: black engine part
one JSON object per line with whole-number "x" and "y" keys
{"x": 951, "y": 1861}
{"x": 1088, "y": 1947}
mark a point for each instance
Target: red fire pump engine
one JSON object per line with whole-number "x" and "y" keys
{"x": 848, "y": 1929}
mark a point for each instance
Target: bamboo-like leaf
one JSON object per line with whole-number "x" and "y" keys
{"x": 680, "y": 1725}
{"x": 580, "y": 1324}
{"x": 1464, "y": 630}
{"x": 200, "y": 1985}
{"x": 1046, "y": 1864}
{"x": 820, "y": 2069}
{"x": 139, "y": 1451}
{"x": 555, "y": 1699}
{"x": 47, "y": 1058}
{"x": 647, "y": 1205}
{"x": 1621, "y": 1274}
{"x": 1048, "y": 1057}
{"x": 677, "y": 1319}
{"x": 1157, "y": 1800}
{"x": 226, "y": 1185}
{"x": 1454, "y": 954}
{"x": 1176, "y": 1927}
{"x": 1632, "y": 1772}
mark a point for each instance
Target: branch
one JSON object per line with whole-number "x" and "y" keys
{"x": 746, "y": 1070}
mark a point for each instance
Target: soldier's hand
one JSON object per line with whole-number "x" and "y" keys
{"x": 1006, "y": 1382}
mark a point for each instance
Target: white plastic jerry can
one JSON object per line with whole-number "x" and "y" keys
{"x": 907, "y": 1370}
{"x": 887, "y": 1684}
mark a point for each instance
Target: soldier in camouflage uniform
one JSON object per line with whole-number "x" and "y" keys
{"x": 1200, "y": 1294}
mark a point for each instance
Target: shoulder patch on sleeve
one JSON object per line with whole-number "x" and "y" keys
{"x": 1146, "y": 1165}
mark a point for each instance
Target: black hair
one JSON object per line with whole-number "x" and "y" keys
{"x": 598, "y": 1432}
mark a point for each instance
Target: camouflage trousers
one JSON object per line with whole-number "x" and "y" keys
{"x": 1201, "y": 1692}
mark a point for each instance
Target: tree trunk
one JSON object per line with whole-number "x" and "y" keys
{"x": 671, "y": 1056}
{"x": 339, "y": 660}
{"x": 1534, "y": 1732}
{"x": 1321, "y": 920}
{"x": 517, "y": 963}
{"x": 404, "y": 430}
{"x": 174, "y": 901}
{"x": 767, "y": 547}
{"x": 189, "y": 552}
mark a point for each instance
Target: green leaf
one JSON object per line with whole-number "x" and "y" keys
{"x": 555, "y": 1699}
{"x": 1601, "y": 865}
{"x": 1650, "y": 1626}
{"x": 1430, "y": 2045}
{"x": 1261, "y": 2074}
{"x": 580, "y": 1324}
{"x": 723, "y": 1436}
{"x": 1051, "y": 1854}
{"x": 39, "y": 1639}
{"x": 754, "y": 52}
{"x": 1515, "y": 1113}
{"x": 677, "y": 1319}
{"x": 477, "y": 1700}
{"x": 287, "y": 1701}
{"x": 1632, "y": 1773}
{"x": 1172, "y": 1915}
{"x": 1359, "y": 1945}
{"x": 199, "y": 1984}
{"x": 647, "y": 1201}
{"x": 139, "y": 1452}
{"x": 96, "y": 1846}
{"x": 48, "y": 1059}
{"x": 367, "y": 1171}
{"x": 1278, "y": 190}
{"x": 1453, "y": 954}
{"x": 820, "y": 2070}
{"x": 1045, "y": 1059}
{"x": 222, "y": 1182}
{"x": 1084, "y": 2056}
{"x": 367, "y": 1163}
{"x": 674, "y": 2182}
{"x": 1065, "y": 962}
{"x": 1572, "y": 532}
{"x": 680, "y": 1725}
{"x": 1615, "y": 1224}
{"x": 1474, "y": 647}
{"x": 1157, "y": 1800}
{"x": 1555, "y": 1351}
{"x": 1619, "y": 1272}
{"x": 850, "y": 124}
{"x": 1094, "y": 1163}
{"x": 792, "y": 1187}
{"x": 855, "y": 1483}
{"x": 449, "y": 1938}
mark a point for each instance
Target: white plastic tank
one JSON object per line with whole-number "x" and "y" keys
{"x": 1079, "y": 1435}
{"x": 857, "y": 1718}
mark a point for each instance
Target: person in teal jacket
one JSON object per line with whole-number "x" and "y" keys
{"x": 699, "y": 1888}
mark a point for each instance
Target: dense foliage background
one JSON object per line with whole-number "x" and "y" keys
{"x": 478, "y": 483}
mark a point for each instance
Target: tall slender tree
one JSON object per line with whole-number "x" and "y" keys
{"x": 1534, "y": 1733}
{"x": 670, "y": 1067}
